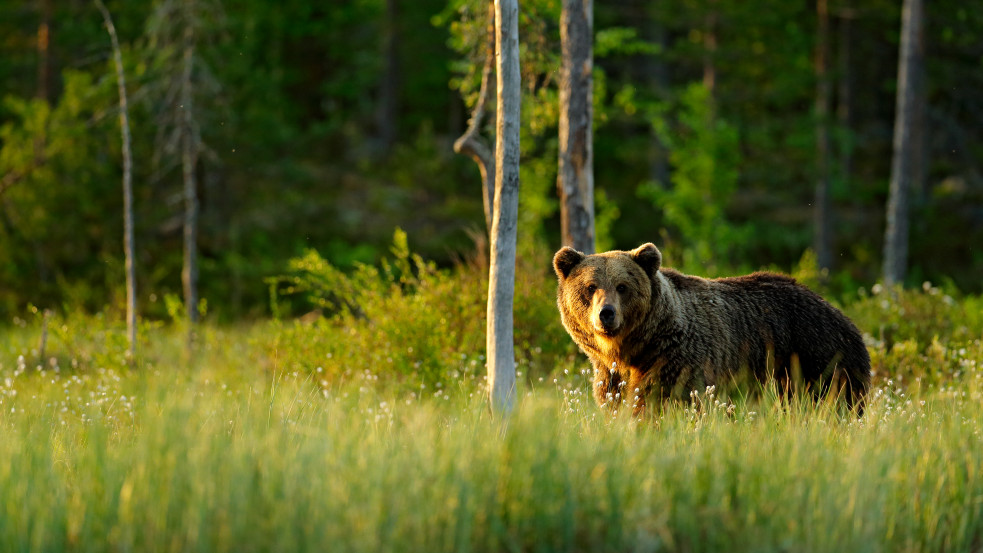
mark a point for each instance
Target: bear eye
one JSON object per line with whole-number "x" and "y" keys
{"x": 591, "y": 289}
{"x": 622, "y": 288}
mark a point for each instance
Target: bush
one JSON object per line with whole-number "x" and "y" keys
{"x": 923, "y": 315}
{"x": 926, "y": 336}
{"x": 411, "y": 321}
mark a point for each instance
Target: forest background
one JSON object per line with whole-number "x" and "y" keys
{"x": 336, "y": 391}
{"x": 326, "y": 125}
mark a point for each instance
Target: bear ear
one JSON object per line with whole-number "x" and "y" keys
{"x": 565, "y": 260}
{"x": 648, "y": 257}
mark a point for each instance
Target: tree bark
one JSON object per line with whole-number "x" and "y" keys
{"x": 501, "y": 278}
{"x": 575, "y": 175}
{"x": 128, "y": 241}
{"x": 822, "y": 212}
{"x": 189, "y": 162}
{"x": 903, "y": 168}
{"x": 471, "y": 143}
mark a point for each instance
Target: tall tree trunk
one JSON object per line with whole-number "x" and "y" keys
{"x": 575, "y": 175}
{"x": 389, "y": 86}
{"x": 189, "y": 162}
{"x": 822, "y": 212}
{"x": 501, "y": 277}
{"x": 128, "y": 245}
{"x": 910, "y": 67}
{"x": 471, "y": 143}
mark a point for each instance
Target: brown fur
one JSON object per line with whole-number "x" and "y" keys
{"x": 652, "y": 330}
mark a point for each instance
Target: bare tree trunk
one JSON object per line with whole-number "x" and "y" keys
{"x": 575, "y": 175}
{"x": 822, "y": 212}
{"x": 501, "y": 277}
{"x": 189, "y": 162}
{"x": 471, "y": 143}
{"x": 128, "y": 243}
{"x": 910, "y": 67}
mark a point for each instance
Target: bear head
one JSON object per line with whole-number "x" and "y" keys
{"x": 606, "y": 294}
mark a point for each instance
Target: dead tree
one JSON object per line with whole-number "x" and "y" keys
{"x": 128, "y": 242}
{"x": 501, "y": 278}
{"x": 177, "y": 30}
{"x": 471, "y": 143}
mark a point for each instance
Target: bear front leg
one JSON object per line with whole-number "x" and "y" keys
{"x": 635, "y": 392}
{"x": 607, "y": 387}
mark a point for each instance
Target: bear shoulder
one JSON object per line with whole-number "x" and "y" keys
{"x": 683, "y": 282}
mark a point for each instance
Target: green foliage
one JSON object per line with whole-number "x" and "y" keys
{"x": 621, "y": 40}
{"x": 704, "y": 156}
{"x": 605, "y": 216}
{"x": 807, "y": 271}
{"x": 295, "y": 161}
{"x": 928, "y": 335}
{"x": 54, "y": 211}
{"x": 922, "y": 315}
{"x": 407, "y": 321}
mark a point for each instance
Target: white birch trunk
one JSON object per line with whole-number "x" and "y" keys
{"x": 128, "y": 242}
{"x": 501, "y": 277}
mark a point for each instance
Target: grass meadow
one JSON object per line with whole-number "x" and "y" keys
{"x": 366, "y": 429}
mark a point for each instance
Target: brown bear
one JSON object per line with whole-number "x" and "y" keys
{"x": 651, "y": 330}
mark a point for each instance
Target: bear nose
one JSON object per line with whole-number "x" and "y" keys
{"x": 607, "y": 315}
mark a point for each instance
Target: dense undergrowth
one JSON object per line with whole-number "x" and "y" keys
{"x": 362, "y": 426}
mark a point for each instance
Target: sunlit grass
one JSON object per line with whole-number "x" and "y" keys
{"x": 341, "y": 435}
{"x": 234, "y": 453}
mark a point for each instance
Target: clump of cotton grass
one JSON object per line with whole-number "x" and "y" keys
{"x": 707, "y": 407}
{"x": 73, "y": 397}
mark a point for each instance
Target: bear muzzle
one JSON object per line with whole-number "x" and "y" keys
{"x": 608, "y": 320}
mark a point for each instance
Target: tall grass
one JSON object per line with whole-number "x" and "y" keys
{"x": 236, "y": 459}
{"x": 367, "y": 430}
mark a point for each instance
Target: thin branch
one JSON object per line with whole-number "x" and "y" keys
{"x": 471, "y": 143}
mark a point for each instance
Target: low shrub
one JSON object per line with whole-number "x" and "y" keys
{"x": 409, "y": 320}
{"x": 922, "y": 314}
